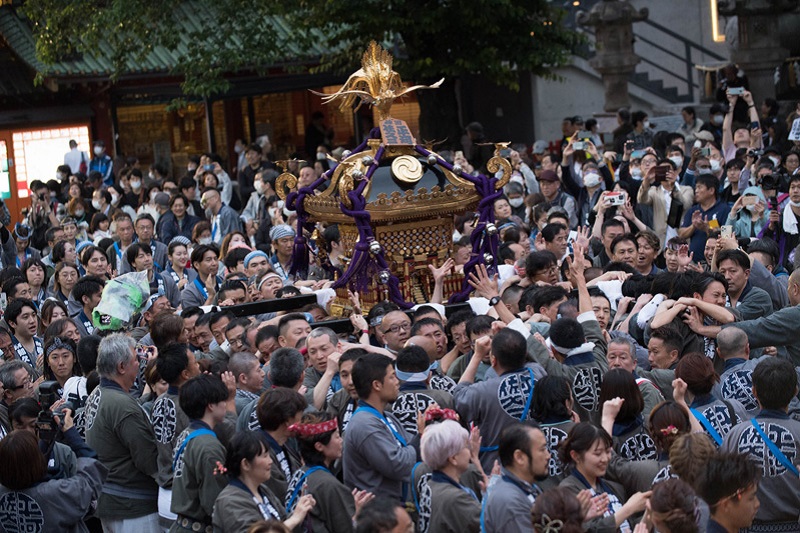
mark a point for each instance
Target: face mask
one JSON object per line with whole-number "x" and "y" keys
{"x": 751, "y": 208}
{"x": 209, "y": 213}
{"x": 204, "y": 240}
{"x": 52, "y": 196}
{"x": 114, "y": 199}
{"x": 272, "y": 212}
{"x": 717, "y": 120}
{"x": 98, "y": 150}
{"x": 96, "y": 204}
{"x": 237, "y": 149}
{"x": 60, "y": 176}
{"x": 259, "y": 185}
{"x": 153, "y": 195}
{"x": 322, "y": 156}
{"x": 78, "y": 214}
{"x": 591, "y": 179}
{"x": 136, "y": 185}
{"x": 715, "y": 165}
{"x": 678, "y": 160}
{"x": 150, "y": 175}
{"x": 705, "y": 171}
{"x": 775, "y": 161}
{"x": 647, "y": 124}
{"x": 515, "y": 202}
{"x": 794, "y": 204}
{"x": 226, "y": 347}
{"x": 636, "y": 173}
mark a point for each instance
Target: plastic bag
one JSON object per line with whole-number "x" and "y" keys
{"x": 123, "y": 297}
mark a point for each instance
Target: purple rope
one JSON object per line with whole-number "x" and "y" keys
{"x": 482, "y": 243}
{"x": 295, "y": 201}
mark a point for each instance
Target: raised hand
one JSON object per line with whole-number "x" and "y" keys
{"x": 483, "y": 284}
{"x": 582, "y": 237}
{"x": 442, "y": 271}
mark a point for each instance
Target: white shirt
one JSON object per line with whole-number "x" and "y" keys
{"x": 73, "y": 159}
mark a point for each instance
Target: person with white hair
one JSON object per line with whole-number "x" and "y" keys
{"x": 119, "y": 431}
{"x": 454, "y": 507}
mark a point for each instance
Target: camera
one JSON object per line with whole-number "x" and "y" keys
{"x": 615, "y": 198}
{"x": 579, "y": 145}
{"x": 46, "y": 425}
{"x": 41, "y": 197}
{"x": 769, "y": 182}
{"x": 755, "y": 153}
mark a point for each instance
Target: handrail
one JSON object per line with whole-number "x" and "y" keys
{"x": 684, "y": 39}
{"x": 688, "y": 78}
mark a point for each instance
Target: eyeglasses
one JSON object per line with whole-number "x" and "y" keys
{"x": 397, "y": 327}
{"x": 26, "y": 384}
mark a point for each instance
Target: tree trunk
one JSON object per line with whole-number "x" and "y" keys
{"x": 438, "y": 116}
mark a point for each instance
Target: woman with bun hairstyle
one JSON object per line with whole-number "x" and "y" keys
{"x": 587, "y": 452}
{"x": 717, "y": 416}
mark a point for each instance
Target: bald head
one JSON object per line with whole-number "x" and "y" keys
{"x": 794, "y": 287}
{"x": 732, "y": 343}
{"x": 426, "y": 343}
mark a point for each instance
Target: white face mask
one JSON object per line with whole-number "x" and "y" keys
{"x": 775, "y": 161}
{"x": 60, "y": 176}
{"x": 794, "y": 204}
{"x": 715, "y": 165}
{"x": 646, "y": 124}
{"x": 136, "y": 185}
{"x": 204, "y": 240}
{"x": 515, "y": 202}
{"x": 678, "y": 160}
{"x": 259, "y": 185}
{"x": 591, "y": 179}
{"x": 705, "y": 172}
{"x": 238, "y": 149}
{"x": 636, "y": 173}
{"x": 717, "y": 120}
{"x": 96, "y": 204}
{"x": 322, "y": 156}
{"x": 98, "y": 150}
{"x": 226, "y": 347}
{"x": 78, "y": 214}
{"x": 153, "y": 195}
{"x": 114, "y": 199}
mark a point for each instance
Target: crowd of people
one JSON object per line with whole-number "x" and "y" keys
{"x": 630, "y": 363}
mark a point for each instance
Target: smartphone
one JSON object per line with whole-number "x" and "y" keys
{"x": 661, "y": 173}
{"x": 726, "y": 232}
{"x": 705, "y": 152}
{"x": 208, "y": 167}
{"x": 505, "y": 153}
{"x": 755, "y": 125}
{"x": 749, "y": 200}
{"x": 736, "y": 91}
{"x": 579, "y": 145}
{"x": 637, "y": 154}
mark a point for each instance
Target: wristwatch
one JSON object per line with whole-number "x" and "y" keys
{"x": 494, "y": 301}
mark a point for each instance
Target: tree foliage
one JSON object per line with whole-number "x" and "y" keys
{"x": 497, "y": 38}
{"x": 207, "y": 40}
